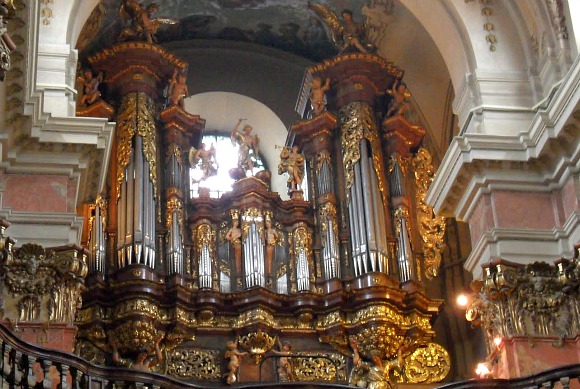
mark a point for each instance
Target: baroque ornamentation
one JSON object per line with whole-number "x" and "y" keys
{"x": 535, "y": 300}
{"x": 357, "y": 123}
{"x": 488, "y": 26}
{"x": 427, "y": 365}
{"x": 136, "y": 115}
{"x": 6, "y": 44}
{"x": 431, "y": 227}
{"x": 319, "y": 367}
{"x": 257, "y": 344}
{"x": 556, "y": 10}
{"x": 43, "y": 285}
{"x": 194, "y": 363}
{"x": 173, "y": 207}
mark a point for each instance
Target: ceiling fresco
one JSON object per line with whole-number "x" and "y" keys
{"x": 281, "y": 24}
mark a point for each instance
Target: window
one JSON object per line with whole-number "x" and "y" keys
{"x": 226, "y": 158}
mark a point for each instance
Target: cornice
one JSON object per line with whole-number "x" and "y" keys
{"x": 540, "y": 158}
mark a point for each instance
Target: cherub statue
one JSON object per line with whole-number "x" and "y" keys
{"x": 177, "y": 90}
{"x": 400, "y": 99}
{"x": 248, "y": 144}
{"x": 235, "y": 358}
{"x": 206, "y": 160}
{"x": 142, "y": 361}
{"x": 292, "y": 162}
{"x": 90, "y": 87}
{"x": 285, "y": 369}
{"x": 317, "y": 91}
{"x": 143, "y": 23}
{"x": 347, "y": 33}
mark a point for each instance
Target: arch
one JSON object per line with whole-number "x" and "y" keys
{"x": 221, "y": 111}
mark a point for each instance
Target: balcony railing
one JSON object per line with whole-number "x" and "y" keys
{"x": 27, "y": 366}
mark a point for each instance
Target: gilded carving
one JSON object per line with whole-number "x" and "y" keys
{"x": 319, "y": 367}
{"x": 427, "y": 365}
{"x": 194, "y": 363}
{"x": 254, "y": 316}
{"x": 383, "y": 339}
{"x": 358, "y": 123}
{"x": 173, "y": 207}
{"x": 431, "y": 227}
{"x": 327, "y": 215}
{"x": 535, "y": 300}
{"x": 134, "y": 335}
{"x": 257, "y": 343}
{"x": 136, "y": 115}
{"x": 43, "y": 285}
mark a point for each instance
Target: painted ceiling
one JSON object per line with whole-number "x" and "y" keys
{"x": 282, "y": 24}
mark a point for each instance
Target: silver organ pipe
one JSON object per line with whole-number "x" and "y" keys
{"x": 367, "y": 218}
{"x": 175, "y": 239}
{"x": 380, "y": 224}
{"x": 330, "y": 257}
{"x": 97, "y": 242}
{"x": 136, "y": 216}
{"x": 175, "y": 245}
{"x": 405, "y": 254}
{"x": 302, "y": 273}
{"x": 324, "y": 182}
{"x": 205, "y": 270}
{"x": 254, "y": 267}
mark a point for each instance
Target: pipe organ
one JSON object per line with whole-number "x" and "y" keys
{"x": 343, "y": 267}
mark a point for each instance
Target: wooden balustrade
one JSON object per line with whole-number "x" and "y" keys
{"x": 25, "y": 366}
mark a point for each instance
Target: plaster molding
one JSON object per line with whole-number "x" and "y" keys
{"x": 548, "y": 151}
{"x": 47, "y": 229}
{"x": 524, "y": 245}
{"x": 50, "y": 103}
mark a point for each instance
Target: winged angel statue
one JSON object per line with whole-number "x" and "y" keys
{"x": 143, "y": 23}
{"x": 346, "y": 33}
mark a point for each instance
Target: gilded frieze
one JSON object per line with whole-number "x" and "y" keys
{"x": 194, "y": 363}
{"x": 319, "y": 367}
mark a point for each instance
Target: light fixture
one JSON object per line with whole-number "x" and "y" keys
{"x": 462, "y": 300}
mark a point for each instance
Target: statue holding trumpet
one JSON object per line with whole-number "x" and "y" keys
{"x": 291, "y": 162}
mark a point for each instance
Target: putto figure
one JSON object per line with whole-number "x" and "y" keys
{"x": 90, "y": 87}
{"x": 400, "y": 99}
{"x": 317, "y": 94}
{"x": 346, "y": 34}
{"x": 235, "y": 358}
{"x": 177, "y": 88}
